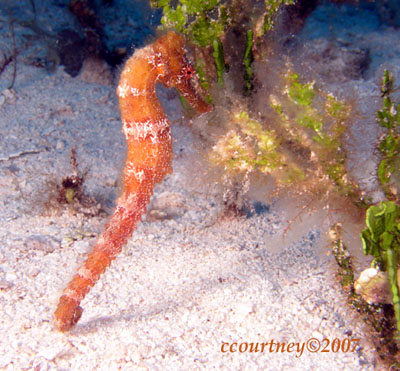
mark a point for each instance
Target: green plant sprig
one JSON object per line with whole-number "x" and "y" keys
{"x": 218, "y": 54}
{"x": 271, "y": 8}
{"x": 342, "y": 256}
{"x": 381, "y": 239}
{"x": 247, "y": 61}
{"x": 195, "y": 18}
{"x": 249, "y": 147}
{"x": 317, "y": 121}
{"x": 389, "y": 144}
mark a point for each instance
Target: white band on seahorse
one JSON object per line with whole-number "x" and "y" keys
{"x": 141, "y": 130}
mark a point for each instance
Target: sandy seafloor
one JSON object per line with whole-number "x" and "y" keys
{"x": 185, "y": 283}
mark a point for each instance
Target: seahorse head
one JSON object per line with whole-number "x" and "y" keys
{"x": 179, "y": 73}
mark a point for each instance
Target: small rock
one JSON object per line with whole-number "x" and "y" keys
{"x": 82, "y": 247}
{"x": 11, "y": 276}
{"x": 5, "y": 285}
{"x": 60, "y": 146}
{"x": 9, "y": 95}
{"x": 33, "y": 271}
{"x": 156, "y": 215}
{"x": 167, "y": 205}
{"x": 373, "y": 286}
{"x": 97, "y": 71}
{"x": 43, "y": 243}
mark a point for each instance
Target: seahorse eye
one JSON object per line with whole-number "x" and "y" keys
{"x": 188, "y": 71}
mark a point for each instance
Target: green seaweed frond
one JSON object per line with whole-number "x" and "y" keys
{"x": 389, "y": 145}
{"x": 249, "y": 147}
{"x": 218, "y": 54}
{"x": 200, "y": 67}
{"x": 198, "y": 19}
{"x": 271, "y": 8}
{"x": 381, "y": 239}
{"x": 248, "y": 61}
{"x": 342, "y": 256}
{"x": 204, "y": 30}
{"x": 194, "y": 7}
{"x": 316, "y": 120}
{"x": 175, "y": 18}
{"x": 302, "y": 94}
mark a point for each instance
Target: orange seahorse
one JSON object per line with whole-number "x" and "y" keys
{"x": 148, "y": 137}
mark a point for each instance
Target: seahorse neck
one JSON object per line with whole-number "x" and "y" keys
{"x": 137, "y": 91}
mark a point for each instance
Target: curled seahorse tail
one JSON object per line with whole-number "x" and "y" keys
{"x": 67, "y": 314}
{"x": 122, "y": 223}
